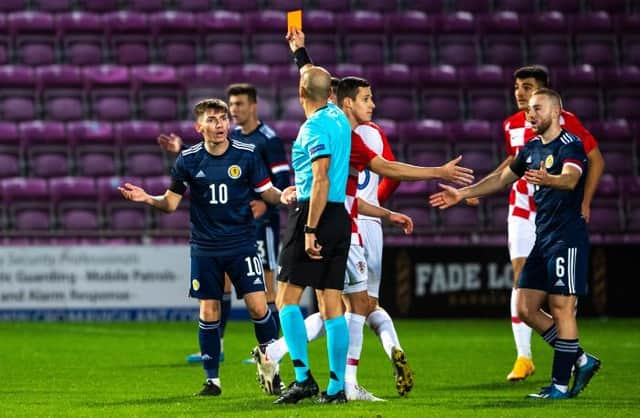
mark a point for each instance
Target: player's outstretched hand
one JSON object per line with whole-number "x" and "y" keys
{"x": 289, "y": 195}
{"x": 448, "y": 197}
{"x": 258, "y": 208}
{"x": 311, "y": 247}
{"x": 133, "y": 193}
{"x": 402, "y": 221}
{"x": 295, "y": 37}
{"x": 452, "y": 172}
{"x": 539, "y": 177}
{"x": 171, "y": 143}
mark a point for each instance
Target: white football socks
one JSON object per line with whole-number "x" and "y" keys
{"x": 356, "y": 324}
{"x": 382, "y": 324}
{"x": 521, "y": 331}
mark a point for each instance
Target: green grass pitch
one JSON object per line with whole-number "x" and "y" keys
{"x": 139, "y": 369}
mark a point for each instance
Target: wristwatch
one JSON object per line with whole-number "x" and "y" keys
{"x": 309, "y": 230}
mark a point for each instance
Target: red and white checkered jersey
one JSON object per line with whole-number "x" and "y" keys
{"x": 517, "y": 132}
{"x": 360, "y": 157}
{"x": 371, "y": 187}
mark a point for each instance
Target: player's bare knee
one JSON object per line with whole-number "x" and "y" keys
{"x": 209, "y": 310}
{"x": 359, "y": 303}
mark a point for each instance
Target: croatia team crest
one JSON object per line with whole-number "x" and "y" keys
{"x": 549, "y": 161}
{"x": 362, "y": 267}
{"x": 195, "y": 284}
{"x": 234, "y": 171}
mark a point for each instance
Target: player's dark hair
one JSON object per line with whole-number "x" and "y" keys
{"x": 243, "y": 88}
{"x": 219, "y": 106}
{"x": 348, "y": 87}
{"x": 552, "y": 94}
{"x": 537, "y": 72}
{"x": 334, "y": 85}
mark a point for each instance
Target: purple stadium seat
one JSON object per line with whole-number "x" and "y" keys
{"x": 425, "y": 131}
{"x": 99, "y": 6}
{"x": 619, "y": 162}
{"x": 120, "y": 214}
{"x": 94, "y": 148}
{"x": 548, "y": 39}
{"x": 176, "y": 221}
{"x": 27, "y": 202}
{"x": 607, "y": 187}
{"x": 17, "y": 92}
{"x": 240, "y": 5}
{"x": 473, "y": 140}
{"x": 10, "y": 150}
{"x": 193, "y": 5}
{"x": 497, "y": 210}
{"x": 412, "y": 189}
{"x": 427, "y": 154}
{"x": 364, "y": 37}
{"x": 428, "y": 6}
{"x": 129, "y": 37}
{"x": 53, "y": 6}
{"x": 389, "y": 77}
{"x": 606, "y": 216}
{"x": 518, "y": 6}
{"x": 585, "y": 103}
{"x": 336, "y": 5}
{"x": 565, "y": 6}
{"x": 611, "y": 6}
{"x": 224, "y": 38}
{"x": 47, "y": 148}
{"x": 146, "y": 6}
{"x": 287, "y": 130}
{"x": 110, "y": 90}
{"x": 418, "y": 210}
{"x": 62, "y": 92}
{"x": 158, "y": 91}
{"x": 184, "y": 129}
{"x": 75, "y": 202}
{"x": 292, "y": 110}
{"x": 284, "y": 4}
{"x": 396, "y": 106}
{"x": 595, "y": 42}
{"x": 12, "y": 5}
{"x": 473, "y": 6}
{"x": 460, "y": 219}
{"x": 502, "y": 40}
{"x": 83, "y": 37}
{"x": 174, "y": 33}
{"x": 457, "y": 42}
{"x": 34, "y": 37}
{"x": 623, "y": 104}
{"x": 142, "y": 156}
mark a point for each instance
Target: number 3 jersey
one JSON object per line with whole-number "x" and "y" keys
{"x": 221, "y": 187}
{"x": 559, "y": 216}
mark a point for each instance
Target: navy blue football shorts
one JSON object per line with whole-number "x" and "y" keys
{"x": 559, "y": 269}
{"x": 244, "y": 270}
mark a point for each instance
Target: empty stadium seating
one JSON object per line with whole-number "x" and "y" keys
{"x": 86, "y": 86}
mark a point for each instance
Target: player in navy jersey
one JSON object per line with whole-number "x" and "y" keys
{"x": 243, "y": 106}
{"x": 223, "y": 176}
{"x": 556, "y": 270}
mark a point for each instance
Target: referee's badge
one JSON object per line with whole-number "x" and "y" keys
{"x": 234, "y": 171}
{"x": 549, "y": 161}
{"x": 195, "y": 284}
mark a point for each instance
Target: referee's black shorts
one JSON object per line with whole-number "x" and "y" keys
{"x": 333, "y": 234}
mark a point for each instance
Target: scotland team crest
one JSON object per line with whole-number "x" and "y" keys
{"x": 234, "y": 171}
{"x": 195, "y": 284}
{"x": 549, "y": 161}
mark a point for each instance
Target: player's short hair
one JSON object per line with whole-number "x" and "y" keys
{"x": 334, "y": 85}
{"x": 243, "y": 88}
{"x": 550, "y": 93}
{"x": 219, "y": 106}
{"x": 348, "y": 87}
{"x": 537, "y": 72}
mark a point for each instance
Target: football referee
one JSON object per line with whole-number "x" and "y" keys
{"x": 317, "y": 240}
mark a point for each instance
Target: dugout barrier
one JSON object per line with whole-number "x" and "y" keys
{"x": 475, "y": 281}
